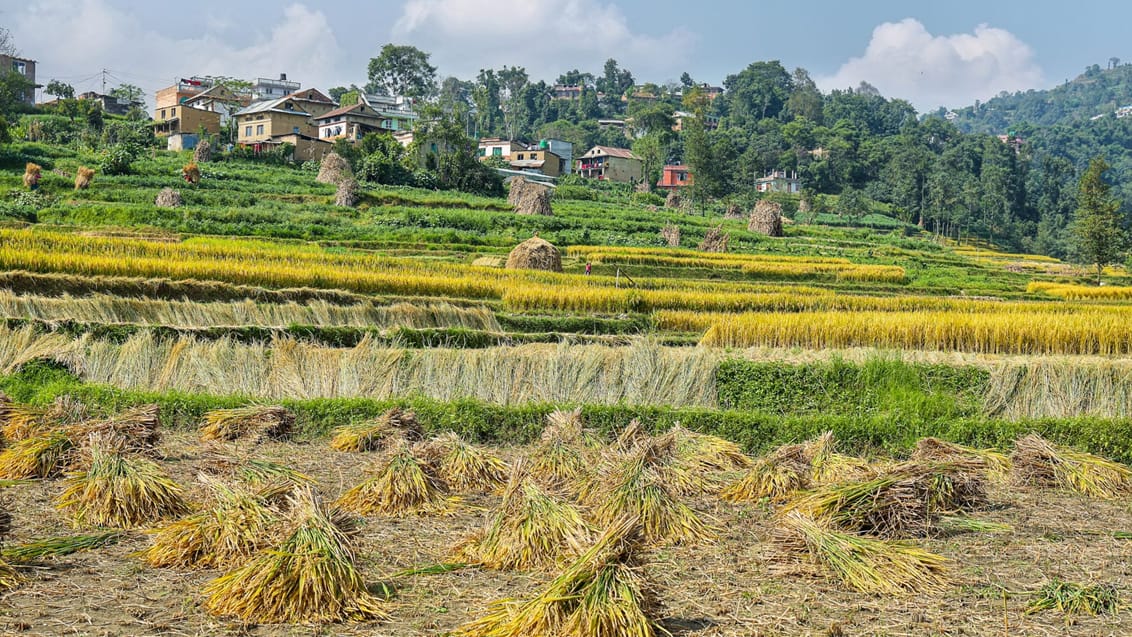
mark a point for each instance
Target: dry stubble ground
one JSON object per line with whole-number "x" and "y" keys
{"x": 741, "y": 585}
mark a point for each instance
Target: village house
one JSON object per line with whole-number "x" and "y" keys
{"x": 286, "y": 120}
{"x": 350, "y": 122}
{"x": 110, "y": 104}
{"x": 538, "y": 160}
{"x": 183, "y": 110}
{"x": 674, "y": 178}
{"x": 497, "y": 147}
{"x": 268, "y": 89}
{"x": 613, "y": 164}
{"x": 568, "y": 91}
{"x": 779, "y": 181}
{"x": 26, "y": 68}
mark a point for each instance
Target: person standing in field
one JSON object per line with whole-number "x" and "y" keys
{"x": 587, "y": 268}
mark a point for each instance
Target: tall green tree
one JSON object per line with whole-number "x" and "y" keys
{"x": 1097, "y": 225}
{"x": 402, "y": 70}
{"x": 129, "y": 93}
{"x": 62, "y": 90}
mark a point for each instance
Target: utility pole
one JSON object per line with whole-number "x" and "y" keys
{"x": 104, "y": 81}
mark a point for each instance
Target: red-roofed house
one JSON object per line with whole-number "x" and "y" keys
{"x": 614, "y": 164}
{"x": 675, "y": 177}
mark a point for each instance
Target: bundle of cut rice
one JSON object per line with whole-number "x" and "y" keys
{"x": 465, "y": 467}
{"x": 1038, "y": 462}
{"x": 531, "y": 530}
{"x": 403, "y": 485}
{"x": 310, "y": 577}
{"x": 372, "y": 435}
{"x": 120, "y": 491}
{"x": 601, "y": 594}
{"x": 259, "y": 422}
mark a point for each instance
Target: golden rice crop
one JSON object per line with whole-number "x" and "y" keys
{"x": 137, "y": 430}
{"x": 1036, "y": 461}
{"x": 258, "y": 421}
{"x": 19, "y": 422}
{"x": 403, "y": 485}
{"x": 865, "y": 564}
{"x": 1008, "y": 333}
{"x": 9, "y": 577}
{"x": 465, "y": 467}
{"x": 601, "y": 593}
{"x": 765, "y": 268}
{"x": 227, "y": 533}
{"x": 371, "y": 435}
{"x": 531, "y": 530}
{"x": 585, "y": 251}
{"x": 936, "y": 450}
{"x": 828, "y": 465}
{"x": 120, "y": 491}
{"x": 560, "y": 457}
{"x": 310, "y": 577}
{"x": 1080, "y": 292}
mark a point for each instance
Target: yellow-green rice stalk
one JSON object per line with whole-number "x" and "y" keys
{"x": 9, "y": 577}
{"x": 1041, "y": 463}
{"x": 1071, "y": 598}
{"x": 20, "y": 422}
{"x": 866, "y": 564}
{"x": 120, "y": 491}
{"x": 44, "y": 455}
{"x": 404, "y": 485}
{"x": 601, "y": 594}
{"x": 704, "y": 452}
{"x": 227, "y": 534}
{"x": 531, "y": 530}
{"x": 827, "y": 466}
{"x": 309, "y": 578}
{"x": 465, "y": 467}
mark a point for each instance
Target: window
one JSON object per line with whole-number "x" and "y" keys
{"x": 172, "y": 112}
{"x": 20, "y": 67}
{"x": 432, "y": 147}
{"x": 683, "y": 177}
{"x": 520, "y": 156}
{"x": 295, "y": 129}
{"x": 163, "y": 113}
{"x": 259, "y": 129}
{"x": 247, "y": 131}
{"x": 483, "y": 152}
{"x": 497, "y": 151}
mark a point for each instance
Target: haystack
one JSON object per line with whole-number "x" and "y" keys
{"x": 673, "y": 200}
{"x": 766, "y": 218}
{"x": 518, "y": 188}
{"x": 191, "y": 172}
{"x": 168, "y": 198}
{"x": 535, "y": 254}
{"x": 733, "y": 211}
{"x": 135, "y": 430}
{"x": 333, "y": 170}
{"x": 560, "y": 457}
{"x": 32, "y": 174}
{"x": 83, "y": 178}
{"x": 347, "y": 195}
{"x": 715, "y": 240}
{"x": 43, "y": 455}
{"x": 671, "y": 235}
{"x": 203, "y": 152}
{"x": 535, "y": 201}
{"x": 774, "y": 477}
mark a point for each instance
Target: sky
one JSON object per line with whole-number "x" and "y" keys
{"x": 930, "y": 53}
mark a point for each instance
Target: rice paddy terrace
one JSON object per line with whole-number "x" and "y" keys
{"x": 262, "y": 413}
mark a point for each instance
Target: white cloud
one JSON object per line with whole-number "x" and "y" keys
{"x": 548, "y": 37}
{"x": 74, "y": 40}
{"x": 904, "y": 60}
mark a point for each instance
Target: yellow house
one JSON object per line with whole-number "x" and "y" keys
{"x": 539, "y": 160}
{"x": 290, "y": 115}
{"x": 185, "y": 119}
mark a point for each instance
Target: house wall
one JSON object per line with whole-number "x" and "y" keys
{"x": 191, "y": 120}
{"x": 623, "y": 170}
{"x": 552, "y": 164}
{"x": 274, "y": 124}
{"x": 26, "y": 68}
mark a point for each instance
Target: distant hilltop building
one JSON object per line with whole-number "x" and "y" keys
{"x": 24, "y": 67}
{"x": 1013, "y": 141}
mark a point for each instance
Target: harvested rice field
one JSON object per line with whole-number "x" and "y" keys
{"x": 272, "y": 413}
{"x": 742, "y": 583}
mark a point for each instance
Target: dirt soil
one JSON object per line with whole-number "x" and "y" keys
{"x": 741, "y": 585}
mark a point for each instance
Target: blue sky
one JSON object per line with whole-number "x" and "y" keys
{"x": 930, "y": 53}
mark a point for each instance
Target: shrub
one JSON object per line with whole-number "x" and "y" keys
{"x": 117, "y": 159}
{"x": 647, "y": 199}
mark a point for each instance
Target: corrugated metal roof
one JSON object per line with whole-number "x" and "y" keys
{"x": 623, "y": 153}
